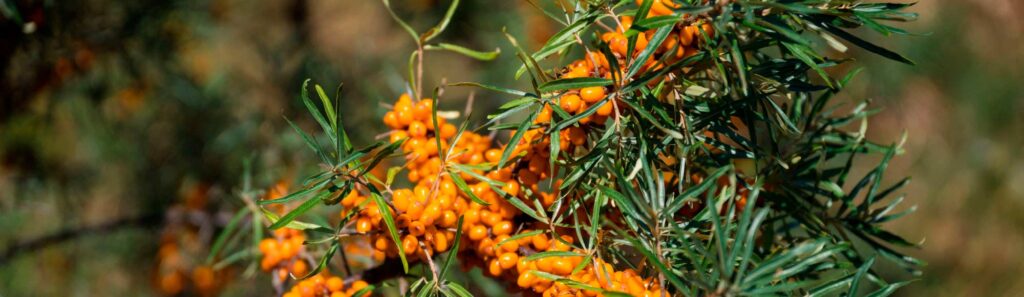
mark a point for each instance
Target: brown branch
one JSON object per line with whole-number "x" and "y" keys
{"x": 37, "y": 244}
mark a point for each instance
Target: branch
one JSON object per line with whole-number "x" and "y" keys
{"x": 146, "y": 221}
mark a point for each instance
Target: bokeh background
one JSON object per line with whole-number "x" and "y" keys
{"x": 125, "y": 127}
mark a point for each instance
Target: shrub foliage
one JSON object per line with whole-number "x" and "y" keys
{"x": 689, "y": 148}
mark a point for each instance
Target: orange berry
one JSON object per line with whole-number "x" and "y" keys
{"x": 424, "y": 109}
{"x": 502, "y": 228}
{"x": 410, "y": 244}
{"x": 268, "y": 245}
{"x": 391, "y": 120}
{"x": 561, "y": 266}
{"x": 440, "y": 241}
{"x": 358, "y": 285}
{"x": 525, "y": 280}
{"x": 540, "y": 242}
{"x": 417, "y": 129}
{"x": 417, "y": 228}
{"x": 493, "y": 155}
{"x": 494, "y": 268}
{"x": 577, "y": 136}
{"x": 626, "y": 22}
{"x": 299, "y": 268}
{"x": 471, "y": 217}
{"x": 448, "y": 187}
{"x": 687, "y": 35}
{"x": 592, "y": 94}
{"x": 570, "y": 103}
{"x": 478, "y": 232}
{"x": 708, "y": 29}
{"x": 381, "y": 243}
{"x": 431, "y": 214}
{"x": 449, "y": 219}
{"x": 511, "y": 187}
{"x": 490, "y": 218}
{"x": 404, "y": 117}
{"x": 363, "y": 225}
{"x": 544, "y": 116}
{"x": 288, "y": 249}
{"x": 605, "y": 109}
{"x": 546, "y": 264}
{"x": 448, "y": 130}
{"x": 508, "y": 260}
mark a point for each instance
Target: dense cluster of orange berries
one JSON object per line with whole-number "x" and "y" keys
{"x": 427, "y": 214}
{"x": 176, "y": 270}
{"x": 173, "y": 275}
{"x": 325, "y": 285}
{"x": 282, "y": 251}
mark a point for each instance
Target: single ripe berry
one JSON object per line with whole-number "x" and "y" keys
{"x": 335, "y": 284}
{"x": 540, "y": 242}
{"x": 478, "y": 232}
{"x": 525, "y": 280}
{"x": 363, "y": 225}
{"x": 493, "y": 155}
{"x": 592, "y": 94}
{"x": 299, "y": 268}
{"x": 417, "y": 129}
{"x": 605, "y": 109}
{"x": 410, "y": 244}
{"x": 502, "y": 228}
{"x": 494, "y": 268}
{"x": 570, "y": 103}
{"x": 508, "y": 260}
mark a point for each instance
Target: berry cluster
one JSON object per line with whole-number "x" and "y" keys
{"x": 426, "y": 215}
{"x": 176, "y": 271}
{"x": 282, "y": 251}
{"x": 324, "y": 285}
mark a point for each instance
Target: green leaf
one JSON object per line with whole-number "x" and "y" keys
{"x": 881, "y": 51}
{"x": 861, "y": 272}
{"x": 548, "y": 254}
{"x": 518, "y": 237}
{"x": 402, "y": 23}
{"x": 458, "y": 289}
{"x": 364, "y": 291}
{"x": 323, "y": 261}
{"x": 672, "y": 276}
{"x": 479, "y": 55}
{"x": 291, "y": 215}
{"x": 512, "y": 143}
{"x": 652, "y": 45}
{"x": 461, "y": 184}
{"x": 224, "y": 234}
{"x": 888, "y": 289}
{"x": 297, "y": 194}
{"x": 654, "y": 23}
{"x": 574, "y": 83}
{"x": 436, "y": 30}
{"x": 453, "y": 251}
{"x": 494, "y": 88}
{"x": 805, "y": 54}
{"x": 389, "y": 220}
{"x": 309, "y": 142}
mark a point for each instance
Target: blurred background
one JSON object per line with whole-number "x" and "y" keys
{"x": 125, "y": 127}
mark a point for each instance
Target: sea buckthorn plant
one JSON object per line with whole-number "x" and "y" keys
{"x": 665, "y": 148}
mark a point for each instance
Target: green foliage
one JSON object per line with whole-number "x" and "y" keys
{"x": 750, "y": 118}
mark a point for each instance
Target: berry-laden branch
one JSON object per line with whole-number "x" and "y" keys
{"x": 692, "y": 150}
